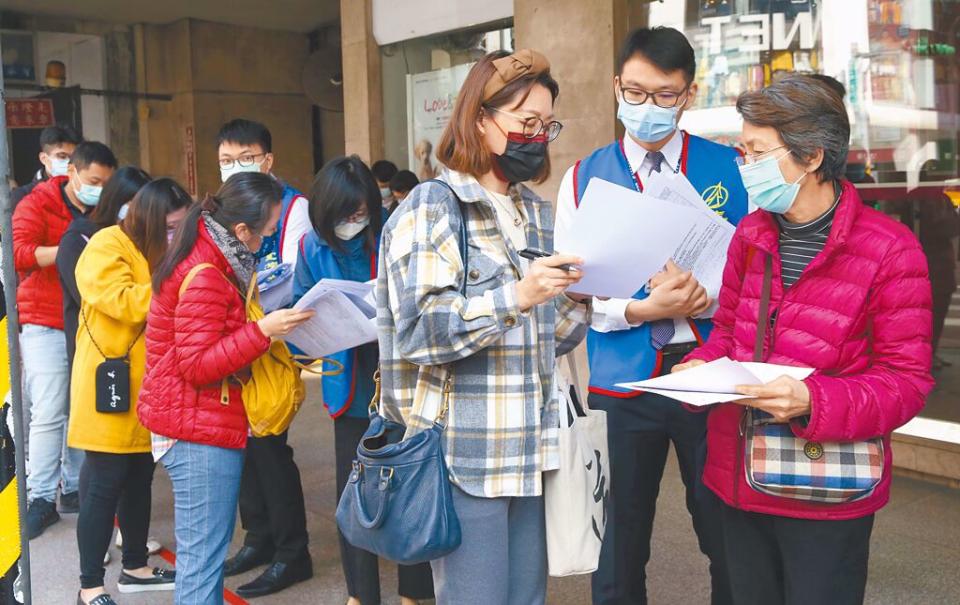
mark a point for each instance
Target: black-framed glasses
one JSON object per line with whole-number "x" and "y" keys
{"x": 246, "y": 160}
{"x": 534, "y": 126}
{"x": 666, "y": 99}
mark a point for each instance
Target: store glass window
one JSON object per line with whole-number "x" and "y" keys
{"x": 898, "y": 62}
{"x": 421, "y": 79}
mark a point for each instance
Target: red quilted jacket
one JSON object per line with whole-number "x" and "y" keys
{"x": 193, "y": 342}
{"x": 40, "y": 219}
{"x": 871, "y": 276}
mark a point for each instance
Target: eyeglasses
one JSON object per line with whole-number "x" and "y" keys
{"x": 245, "y": 161}
{"x": 752, "y": 158}
{"x": 665, "y": 98}
{"x": 533, "y": 126}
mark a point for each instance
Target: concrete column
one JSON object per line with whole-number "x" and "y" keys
{"x": 362, "y": 84}
{"x": 580, "y": 39}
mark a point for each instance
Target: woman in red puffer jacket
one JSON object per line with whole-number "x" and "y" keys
{"x": 849, "y": 297}
{"x": 197, "y": 335}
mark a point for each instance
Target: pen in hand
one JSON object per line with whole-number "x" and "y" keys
{"x": 533, "y": 254}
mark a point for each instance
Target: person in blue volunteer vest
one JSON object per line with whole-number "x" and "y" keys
{"x": 271, "y": 495}
{"x": 347, "y": 215}
{"x": 642, "y": 337}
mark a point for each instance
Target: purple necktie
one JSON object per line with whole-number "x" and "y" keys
{"x": 661, "y": 330}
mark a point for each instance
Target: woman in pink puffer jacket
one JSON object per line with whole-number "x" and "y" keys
{"x": 849, "y": 297}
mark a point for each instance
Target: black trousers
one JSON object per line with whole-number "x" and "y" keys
{"x": 782, "y": 561}
{"x": 113, "y": 485}
{"x": 639, "y": 433}
{"x": 271, "y": 499}
{"x": 361, "y": 569}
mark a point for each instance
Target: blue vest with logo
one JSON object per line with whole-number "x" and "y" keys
{"x": 270, "y": 248}
{"x": 628, "y": 355}
{"x": 340, "y": 390}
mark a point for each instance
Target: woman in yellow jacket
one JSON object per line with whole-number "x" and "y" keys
{"x": 113, "y": 278}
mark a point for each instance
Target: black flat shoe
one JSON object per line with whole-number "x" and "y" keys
{"x": 103, "y": 599}
{"x": 277, "y": 577}
{"x": 246, "y": 559}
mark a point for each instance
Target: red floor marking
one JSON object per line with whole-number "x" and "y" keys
{"x": 228, "y": 595}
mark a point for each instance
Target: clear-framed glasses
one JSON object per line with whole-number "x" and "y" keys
{"x": 533, "y": 126}
{"x": 246, "y": 160}
{"x": 752, "y": 158}
{"x": 666, "y": 99}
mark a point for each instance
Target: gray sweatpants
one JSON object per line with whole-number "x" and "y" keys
{"x": 502, "y": 559}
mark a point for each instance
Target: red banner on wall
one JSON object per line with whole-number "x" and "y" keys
{"x": 29, "y": 113}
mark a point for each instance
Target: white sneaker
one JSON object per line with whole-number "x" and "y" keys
{"x": 153, "y": 546}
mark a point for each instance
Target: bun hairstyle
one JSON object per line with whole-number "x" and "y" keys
{"x": 247, "y": 198}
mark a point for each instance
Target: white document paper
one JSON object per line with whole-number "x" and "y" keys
{"x": 622, "y": 241}
{"x": 716, "y": 381}
{"x": 704, "y": 246}
{"x": 344, "y": 319}
{"x": 276, "y": 287}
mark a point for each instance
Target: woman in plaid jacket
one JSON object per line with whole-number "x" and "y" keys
{"x": 490, "y": 325}
{"x": 848, "y": 296}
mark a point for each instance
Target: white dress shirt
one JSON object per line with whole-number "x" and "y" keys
{"x": 610, "y": 315}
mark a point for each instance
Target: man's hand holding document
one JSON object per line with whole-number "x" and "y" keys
{"x": 718, "y": 381}
{"x": 345, "y": 317}
{"x": 626, "y": 238}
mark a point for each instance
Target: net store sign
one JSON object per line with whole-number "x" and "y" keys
{"x": 758, "y": 33}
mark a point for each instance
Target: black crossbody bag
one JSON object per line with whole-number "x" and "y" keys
{"x": 113, "y": 376}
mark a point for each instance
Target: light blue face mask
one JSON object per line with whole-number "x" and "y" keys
{"x": 766, "y": 187}
{"x": 89, "y": 195}
{"x": 647, "y": 123}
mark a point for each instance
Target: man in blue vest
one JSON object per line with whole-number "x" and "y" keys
{"x": 642, "y": 337}
{"x": 271, "y": 495}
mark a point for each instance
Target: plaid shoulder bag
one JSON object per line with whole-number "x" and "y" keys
{"x": 779, "y": 463}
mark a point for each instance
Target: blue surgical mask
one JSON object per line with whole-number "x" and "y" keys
{"x": 89, "y": 195}
{"x": 766, "y": 187}
{"x": 226, "y": 173}
{"x": 59, "y": 167}
{"x": 647, "y": 123}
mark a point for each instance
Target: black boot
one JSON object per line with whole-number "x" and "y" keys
{"x": 277, "y": 577}
{"x": 246, "y": 559}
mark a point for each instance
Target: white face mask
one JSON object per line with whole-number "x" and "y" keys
{"x": 347, "y": 231}
{"x": 58, "y": 167}
{"x": 226, "y": 173}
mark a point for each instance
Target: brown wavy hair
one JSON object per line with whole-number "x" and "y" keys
{"x": 461, "y": 147}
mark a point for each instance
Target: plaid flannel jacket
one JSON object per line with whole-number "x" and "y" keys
{"x": 502, "y": 423}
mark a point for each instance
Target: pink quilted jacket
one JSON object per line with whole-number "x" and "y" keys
{"x": 871, "y": 276}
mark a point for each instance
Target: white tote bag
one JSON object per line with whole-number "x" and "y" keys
{"x": 575, "y": 495}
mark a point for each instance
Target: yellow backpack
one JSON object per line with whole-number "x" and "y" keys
{"x": 274, "y": 392}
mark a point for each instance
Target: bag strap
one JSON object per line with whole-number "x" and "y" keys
{"x": 126, "y": 355}
{"x": 762, "y": 319}
{"x": 193, "y": 272}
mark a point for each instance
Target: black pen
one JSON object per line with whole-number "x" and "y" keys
{"x": 534, "y": 254}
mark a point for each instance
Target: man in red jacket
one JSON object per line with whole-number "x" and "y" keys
{"x": 39, "y": 221}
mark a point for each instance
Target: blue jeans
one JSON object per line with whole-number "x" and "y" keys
{"x": 206, "y": 482}
{"x": 46, "y": 382}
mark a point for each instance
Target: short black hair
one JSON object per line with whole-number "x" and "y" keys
{"x": 832, "y": 82}
{"x": 383, "y": 170}
{"x": 341, "y": 187}
{"x": 54, "y": 136}
{"x": 404, "y": 181}
{"x": 92, "y": 152}
{"x": 245, "y": 132}
{"x": 665, "y": 47}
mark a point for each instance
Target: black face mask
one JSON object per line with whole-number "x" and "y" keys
{"x": 523, "y": 158}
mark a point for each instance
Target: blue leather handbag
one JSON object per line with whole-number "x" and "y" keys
{"x": 398, "y": 502}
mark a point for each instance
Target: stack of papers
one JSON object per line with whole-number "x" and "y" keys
{"x": 715, "y": 382}
{"x": 276, "y": 287}
{"x": 625, "y": 237}
{"x": 346, "y": 317}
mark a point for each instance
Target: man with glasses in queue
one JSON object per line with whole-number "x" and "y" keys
{"x": 645, "y": 336}
{"x": 271, "y": 494}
